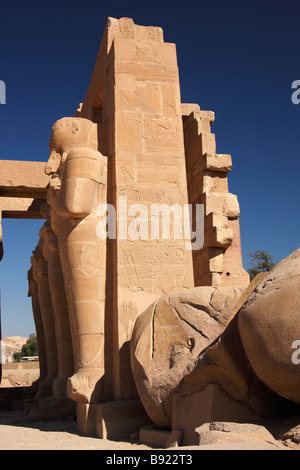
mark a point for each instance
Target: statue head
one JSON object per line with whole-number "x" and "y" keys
{"x": 66, "y": 134}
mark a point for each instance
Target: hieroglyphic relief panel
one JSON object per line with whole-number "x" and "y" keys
{"x": 149, "y": 169}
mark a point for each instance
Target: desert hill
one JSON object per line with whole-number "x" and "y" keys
{"x": 13, "y": 344}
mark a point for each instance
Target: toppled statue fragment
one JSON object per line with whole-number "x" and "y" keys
{"x": 269, "y": 326}
{"x": 169, "y": 336}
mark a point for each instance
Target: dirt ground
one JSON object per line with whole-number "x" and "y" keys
{"x": 16, "y": 374}
{"x": 18, "y": 432}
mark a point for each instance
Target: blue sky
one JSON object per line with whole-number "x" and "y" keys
{"x": 236, "y": 58}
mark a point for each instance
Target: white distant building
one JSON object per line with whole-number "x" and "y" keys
{"x": 4, "y": 357}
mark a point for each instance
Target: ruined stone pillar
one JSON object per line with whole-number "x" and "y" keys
{"x": 37, "y": 316}
{"x": 45, "y": 303}
{"x": 219, "y": 261}
{"x": 59, "y": 302}
{"x": 61, "y": 317}
{"x": 57, "y": 405}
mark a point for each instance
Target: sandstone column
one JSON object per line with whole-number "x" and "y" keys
{"x": 58, "y": 405}
{"x": 41, "y": 277}
{"x": 33, "y": 293}
{"x": 61, "y": 317}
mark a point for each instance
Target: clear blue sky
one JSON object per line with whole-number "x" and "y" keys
{"x": 236, "y": 58}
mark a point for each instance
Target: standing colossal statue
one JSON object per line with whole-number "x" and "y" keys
{"x": 80, "y": 167}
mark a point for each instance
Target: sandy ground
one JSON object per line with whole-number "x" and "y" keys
{"x": 17, "y": 374}
{"x": 18, "y": 432}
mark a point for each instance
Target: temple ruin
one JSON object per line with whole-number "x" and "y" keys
{"x": 117, "y": 316}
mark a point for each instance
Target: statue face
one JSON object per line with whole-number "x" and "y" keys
{"x": 76, "y": 166}
{"x": 66, "y": 134}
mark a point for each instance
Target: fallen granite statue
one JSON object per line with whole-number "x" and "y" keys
{"x": 242, "y": 370}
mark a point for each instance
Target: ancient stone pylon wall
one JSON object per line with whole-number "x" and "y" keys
{"x": 136, "y": 101}
{"x": 219, "y": 261}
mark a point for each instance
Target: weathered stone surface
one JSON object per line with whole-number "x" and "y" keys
{"x": 111, "y": 420}
{"x": 210, "y": 404}
{"x": 120, "y": 418}
{"x": 161, "y": 438}
{"x": 255, "y": 435}
{"x": 207, "y": 184}
{"x": 65, "y": 356}
{"x": 86, "y": 422}
{"x": 23, "y": 179}
{"x": 51, "y": 408}
{"x": 169, "y": 336}
{"x": 38, "y": 321}
{"x": 267, "y": 333}
{"x": 134, "y": 98}
{"x": 74, "y": 201}
{"x": 40, "y": 275}
{"x": 269, "y": 325}
{"x": 286, "y": 430}
{"x": 21, "y": 208}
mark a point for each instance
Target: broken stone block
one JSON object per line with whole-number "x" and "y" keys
{"x": 119, "y": 418}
